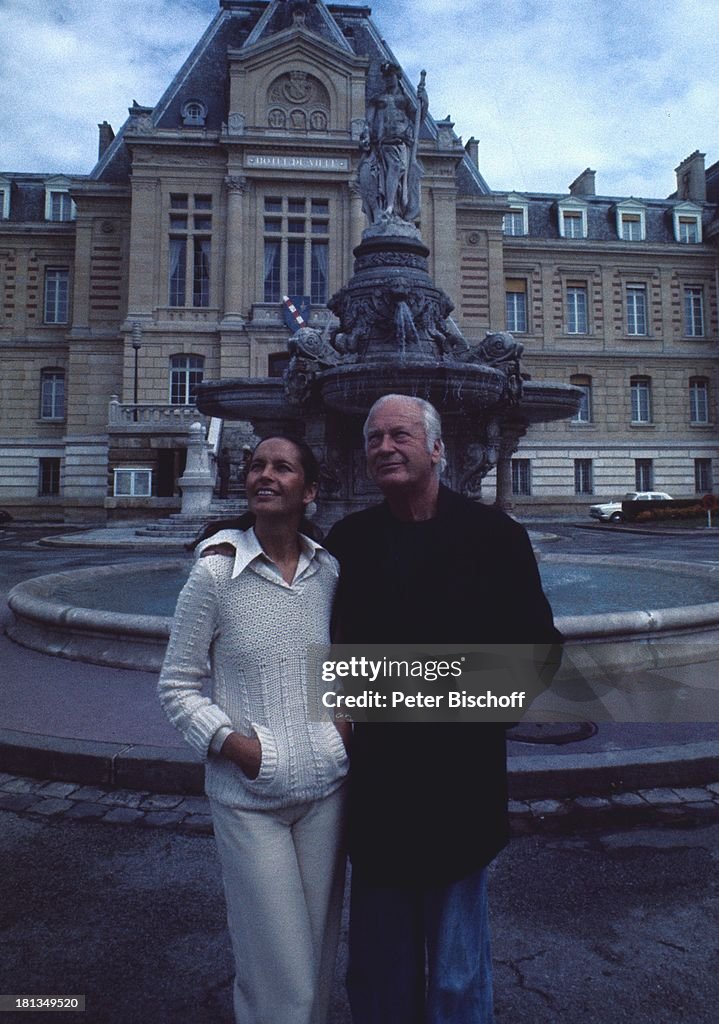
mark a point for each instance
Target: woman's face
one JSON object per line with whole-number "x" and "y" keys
{"x": 275, "y": 480}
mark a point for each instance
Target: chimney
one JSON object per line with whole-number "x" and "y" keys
{"x": 692, "y": 179}
{"x": 584, "y": 184}
{"x": 472, "y": 150}
{"x": 106, "y": 135}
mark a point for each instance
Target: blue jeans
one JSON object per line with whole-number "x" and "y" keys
{"x": 395, "y": 933}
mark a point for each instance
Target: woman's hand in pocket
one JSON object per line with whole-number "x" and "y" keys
{"x": 244, "y": 751}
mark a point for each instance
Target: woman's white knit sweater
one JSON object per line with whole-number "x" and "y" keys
{"x": 254, "y": 628}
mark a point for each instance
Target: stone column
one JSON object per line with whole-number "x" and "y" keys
{"x": 237, "y": 187}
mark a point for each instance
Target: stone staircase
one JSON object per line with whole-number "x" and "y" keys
{"x": 184, "y": 528}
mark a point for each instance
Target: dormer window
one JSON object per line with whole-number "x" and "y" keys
{"x": 572, "y": 219}
{"x": 631, "y": 221}
{"x": 687, "y": 219}
{"x": 194, "y": 114}
{"x": 516, "y": 220}
{"x": 58, "y": 202}
{"x": 4, "y": 198}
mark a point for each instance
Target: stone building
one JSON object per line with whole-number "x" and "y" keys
{"x": 168, "y": 263}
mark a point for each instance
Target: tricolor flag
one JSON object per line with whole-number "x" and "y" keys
{"x": 296, "y": 311}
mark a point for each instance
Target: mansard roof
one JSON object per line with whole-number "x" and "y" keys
{"x": 543, "y": 220}
{"x": 239, "y": 25}
{"x": 28, "y": 194}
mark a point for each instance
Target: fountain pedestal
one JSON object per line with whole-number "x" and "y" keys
{"x": 197, "y": 482}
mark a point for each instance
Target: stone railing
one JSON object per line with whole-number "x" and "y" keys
{"x": 151, "y": 416}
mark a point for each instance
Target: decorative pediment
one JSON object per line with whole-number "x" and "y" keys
{"x": 287, "y": 82}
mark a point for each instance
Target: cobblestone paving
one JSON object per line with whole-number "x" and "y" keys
{"x": 191, "y": 814}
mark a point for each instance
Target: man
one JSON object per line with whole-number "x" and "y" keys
{"x": 427, "y": 802}
{"x": 224, "y": 471}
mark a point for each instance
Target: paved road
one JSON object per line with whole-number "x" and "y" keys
{"x": 597, "y": 928}
{"x": 575, "y": 537}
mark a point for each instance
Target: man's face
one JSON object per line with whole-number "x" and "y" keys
{"x": 397, "y": 455}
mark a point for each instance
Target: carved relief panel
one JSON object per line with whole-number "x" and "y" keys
{"x": 298, "y": 102}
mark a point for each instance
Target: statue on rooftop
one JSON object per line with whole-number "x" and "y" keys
{"x": 389, "y": 174}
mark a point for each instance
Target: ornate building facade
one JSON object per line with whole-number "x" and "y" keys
{"x": 168, "y": 263}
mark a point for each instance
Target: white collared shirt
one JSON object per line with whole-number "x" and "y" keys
{"x": 249, "y": 554}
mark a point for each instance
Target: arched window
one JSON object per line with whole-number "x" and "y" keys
{"x": 194, "y": 114}
{"x": 186, "y": 372}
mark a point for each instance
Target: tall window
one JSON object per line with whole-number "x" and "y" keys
{"x": 186, "y": 373}
{"x": 57, "y": 295}
{"x": 573, "y": 224}
{"x": 583, "y": 476}
{"x": 521, "y": 477}
{"x": 644, "y": 474}
{"x": 190, "y": 250}
{"x": 636, "y": 309}
{"x": 584, "y": 412}
{"x": 631, "y": 227}
{"x": 641, "y": 389}
{"x": 296, "y": 238}
{"x": 699, "y": 400}
{"x": 60, "y": 206}
{"x": 513, "y": 223}
{"x": 703, "y": 483}
{"x": 52, "y": 395}
{"x": 48, "y": 478}
{"x": 577, "y": 308}
{"x": 688, "y": 230}
{"x": 694, "y": 311}
{"x": 516, "y": 304}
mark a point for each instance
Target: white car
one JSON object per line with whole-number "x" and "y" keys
{"x": 611, "y": 511}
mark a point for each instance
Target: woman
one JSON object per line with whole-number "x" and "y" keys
{"x": 274, "y": 778}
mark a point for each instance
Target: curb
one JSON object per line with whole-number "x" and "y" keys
{"x": 542, "y": 777}
{"x": 70, "y": 801}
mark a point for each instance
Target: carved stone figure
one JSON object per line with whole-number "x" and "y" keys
{"x": 479, "y": 458}
{"x": 501, "y": 349}
{"x": 310, "y": 352}
{"x": 389, "y": 174}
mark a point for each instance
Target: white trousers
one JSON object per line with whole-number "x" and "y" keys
{"x": 283, "y": 873}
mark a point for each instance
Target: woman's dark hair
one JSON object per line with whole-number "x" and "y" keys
{"x": 311, "y": 470}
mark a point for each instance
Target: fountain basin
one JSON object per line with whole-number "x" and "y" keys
{"x": 351, "y": 389}
{"x": 54, "y": 613}
{"x": 243, "y": 398}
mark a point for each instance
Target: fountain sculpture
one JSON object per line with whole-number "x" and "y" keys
{"x": 394, "y": 333}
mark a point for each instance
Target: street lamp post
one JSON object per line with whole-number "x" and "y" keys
{"x": 137, "y": 345}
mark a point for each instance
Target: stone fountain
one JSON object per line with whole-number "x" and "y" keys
{"x": 392, "y": 331}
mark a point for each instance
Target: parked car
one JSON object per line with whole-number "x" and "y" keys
{"x": 611, "y": 511}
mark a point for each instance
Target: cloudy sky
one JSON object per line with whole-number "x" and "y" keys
{"x": 549, "y": 87}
